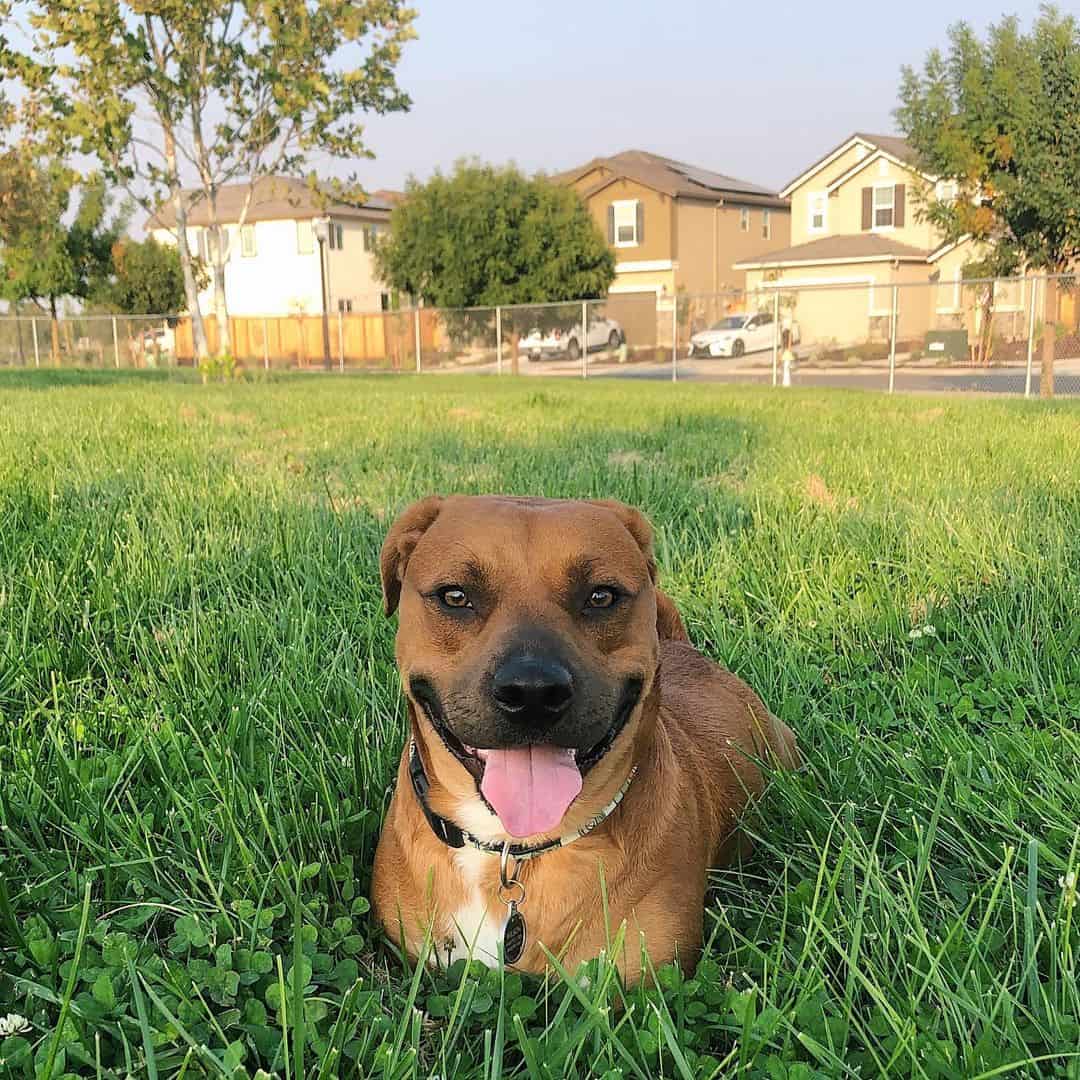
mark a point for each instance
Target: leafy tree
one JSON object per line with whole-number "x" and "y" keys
{"x": 42, "y": 258}
{"x": 147, "y": 279}
{"x": 486, "y": 235}
{"x": 999, "y": 117}
{"x": 232, "y": 91}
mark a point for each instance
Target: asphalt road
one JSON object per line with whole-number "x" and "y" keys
{"x": 926, "y": 380}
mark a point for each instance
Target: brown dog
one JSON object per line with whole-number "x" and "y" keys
{"x": 547, "y": 678}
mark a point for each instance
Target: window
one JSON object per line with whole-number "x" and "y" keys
{"x": 384, "y": 301}
{"x": 337, "y": 236}
{"x": 371, "y": 237}
{"x": 946, "y": 190}
{"x": 247, "y": 241}
{"x": 1009, "y": 294}
{"x": 305, "y": 238}
{"x": 947, "y": 297}
{"x": 344, "y": 306}
{"x": 818, "y": 210}
{"x": 626, "y": 220}
{"x": 766, "y": 225}
{"x": 744, "y": 220}
{"x": 884, "y": 206}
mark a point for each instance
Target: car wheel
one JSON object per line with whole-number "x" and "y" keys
{"x": 738, "y": 347}
{"x": 614, "y": 340}
{"x": 572, "y": 350}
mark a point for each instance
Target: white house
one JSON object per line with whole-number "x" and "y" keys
{"x": 272, "y": 260}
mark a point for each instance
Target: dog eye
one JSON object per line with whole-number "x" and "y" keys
{"x": 454, "y": 597}
{"x": 602, "y": 598}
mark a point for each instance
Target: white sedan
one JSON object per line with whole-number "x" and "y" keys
{"x": 603, "y": 334}
{"x": 735, "y": 335}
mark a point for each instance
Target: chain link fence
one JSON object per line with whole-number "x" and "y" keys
{"x": 1006, "y": 335}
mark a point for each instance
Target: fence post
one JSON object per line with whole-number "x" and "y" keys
{"x": 498, "y": 340}
{"x": 1033, "y": 289}
{"x": 775, "y": 331}
{"x": 164, "y": 338}
{"x": 674, "y": 337}
{"x": 341, "y": 340}
{"x": 37, "y": 353}
{"x": 416, "y": 333}
{"x": 266, "y": 343}
{"x": 892, "y": 337}
{"x": 584, "y": 339}
{"x": 115, "y": 343}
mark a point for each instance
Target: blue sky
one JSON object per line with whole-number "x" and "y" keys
{"x": 755, "y": 90}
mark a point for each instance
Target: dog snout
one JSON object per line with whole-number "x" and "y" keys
{"x": 533, "y": 687}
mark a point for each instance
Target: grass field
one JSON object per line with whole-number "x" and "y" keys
{"x": 199, "y": 718}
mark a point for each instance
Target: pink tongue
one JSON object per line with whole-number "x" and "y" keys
{"x": 531, "y": 788}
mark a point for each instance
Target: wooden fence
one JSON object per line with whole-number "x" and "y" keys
{"x": 380, "y": 339}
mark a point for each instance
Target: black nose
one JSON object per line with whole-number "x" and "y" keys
{"x": 538, "y": 686}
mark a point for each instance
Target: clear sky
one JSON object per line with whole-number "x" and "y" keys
{"x": 754, "y": 90}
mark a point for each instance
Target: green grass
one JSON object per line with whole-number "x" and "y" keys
{"x": 199, "y": 719}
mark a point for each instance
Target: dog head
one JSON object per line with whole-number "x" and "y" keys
{"x": 528, "y": 643}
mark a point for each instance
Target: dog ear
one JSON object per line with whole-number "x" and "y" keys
{"x": 637, "y": 525}
{"x": 400, "y": 541}
{"x": 669, "y": 624}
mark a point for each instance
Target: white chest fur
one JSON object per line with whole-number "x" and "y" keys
{"x": 475, "y": 928}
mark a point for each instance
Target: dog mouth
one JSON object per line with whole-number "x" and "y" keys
{"x": 530, "y": 787}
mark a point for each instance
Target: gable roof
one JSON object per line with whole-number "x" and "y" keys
{"x": 675, "y": 178}
{"x": 273, "y": 198}
{"x": 857, "y": 247}
{"x": 893, "y": 145}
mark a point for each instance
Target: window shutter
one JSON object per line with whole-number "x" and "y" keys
{"x": 898, "y": 205}
{"x": 867, "y": 208}
{"x": 611, "y": 224}
{"x": 640, "y": 223}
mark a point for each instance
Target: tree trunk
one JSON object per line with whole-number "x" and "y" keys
{"x": 1046, "y": 376}
{"x": 54, "y": 328}
{"x": 221, "y": 309}
{"x": 18, "y": 337}
{"x": 191, "y": 290}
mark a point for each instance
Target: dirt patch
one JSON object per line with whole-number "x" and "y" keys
{"x": 188, "y": 414}
{"x": 817, "y": 491}
{"x": 928, "y": 416}
{"x": 228, "y": 419}
{"x": 625, "y": 458}
{"x": 462, "y": 413}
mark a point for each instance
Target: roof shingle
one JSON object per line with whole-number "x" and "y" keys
{"x": 851, "y": 248}
{"x": 273, "y": 198}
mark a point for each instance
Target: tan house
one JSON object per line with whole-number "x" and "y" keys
{"x": 854, "y": 225}
{"x": 675, "y": 227}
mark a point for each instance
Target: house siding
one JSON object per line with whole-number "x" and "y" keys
{"x": 658, "y": 213}
{"x": 279, "y": 280}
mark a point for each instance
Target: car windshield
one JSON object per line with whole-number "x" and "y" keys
{"x": 732, "y": 322}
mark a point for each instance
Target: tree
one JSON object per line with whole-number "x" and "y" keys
{"x": 230, "y": 90}
{"x": 147, "y": 279}
{"x": 42, "y": 258}
{"x": 485, "y": 236}
{"x": 999, "y": 118}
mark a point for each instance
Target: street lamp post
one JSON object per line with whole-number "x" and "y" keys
{"x": 322, "y": 234}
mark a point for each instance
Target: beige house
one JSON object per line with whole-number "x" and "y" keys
{"x": 272, "y": 258}
{"x": 855, "y": 226}
{"x": 675, "y": 227}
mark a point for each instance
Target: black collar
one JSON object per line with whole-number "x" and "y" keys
{"x": 453, "y": 836}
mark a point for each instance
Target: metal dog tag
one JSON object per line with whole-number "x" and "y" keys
{"x": 515, "y": 935}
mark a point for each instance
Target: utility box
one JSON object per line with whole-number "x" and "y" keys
{"x": 947, "y": 344}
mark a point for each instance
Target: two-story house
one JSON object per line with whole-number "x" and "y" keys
{"x": 854, "y": 222}
{"x": 272, "y": 259}
{"x": 677, "y": 228}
